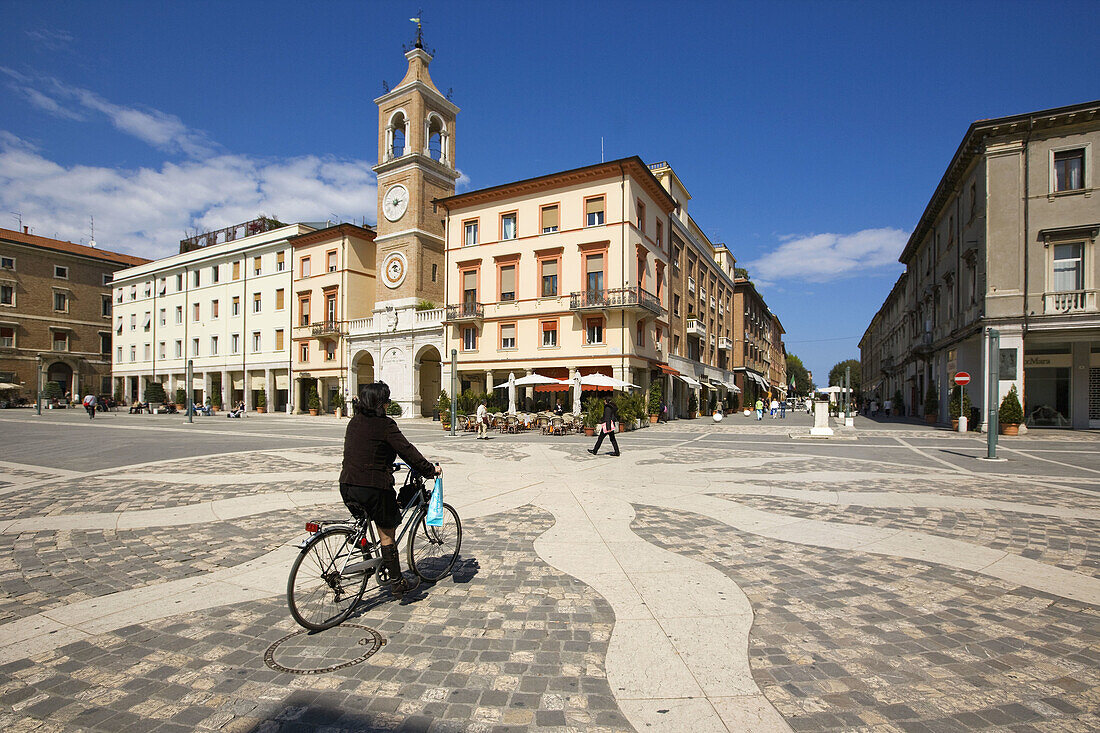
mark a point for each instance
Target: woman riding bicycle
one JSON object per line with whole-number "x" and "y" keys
{"x": 371, "y": 443}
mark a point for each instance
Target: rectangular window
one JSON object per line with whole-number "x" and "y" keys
{"x": 548, "y": 216}
{"x": 60, "y": 272}
{"x": 194, "y": 347}
{"x": 256, "y": 342}
{"x": 179, "y": 284}
{"x": 641, "y": 216}
{"x": 639, "y": 335}
{"x": 147, "y": 352}
{"x": 179, "y": 349}
{"x": 118, "y": 295}
{"x": 61, "y": 302}
{"x": 330, "y": 307}
{"x": 593, "y": 331}
{"x": 593, "y": 267}
{"x": 469, "y": 233}
{"x": 215, "y": 274}
{"x": 148, "y": 322}
{"x": 257, "y": 263}
{"x": 280, "y": 299}
{"x": 195, "y": 311}
{"x": 162, "y": 350}
{"x": 330, "y": 265}
{"x": 133, "y": 353}
{"x": 303, "y": 310}
{"x": 196, "y": 278}
{"x": 237, "y": 270}
{"x": 7, "y": 337}
{"x": 163, "y": 317}
{"x": 179, "y": 314}
{"x": 435, "y": 270}
{"x": 676, "y": 305}
{"x": 469, "y": 287}
{"x": 257, "y": 304}
{"x": 305, "y": 267}
{"x": 508, "y": 282}
{"x": 213, "y": 346}
{"x": 235, "y": 343}
{"x": 278, "y": 339}
{"x": 507, "y": 335}
{"x": 469, "y": 339}
{"x": 8, "y": 263}
{"x": 7, "y": 295}
{"x": 162, "y": 287}
{"x": 148, "y": 289}
{"x": 106, "y": 306}
{"x": 133, "y": 292}
{"x": 549, "y": 333}
{"x": 213, "y": 309}
{"x": 660, "y": 236}
{"x": 1069, "y": 271}
{"x": 549, "y": 278}
{"x": 1069, "y": 170}
{"x": 235, "y": 306}
{"x": 330, "y": 351}
{"x": 593, "y": 211}
{"x": 303, "y": 352}
{"x": 508, "y": 226}
{"x": 118, "y": 354}
{"x": 280, "y": 261}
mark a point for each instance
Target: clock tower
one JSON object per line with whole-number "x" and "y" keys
{"x": 416, "y": 144}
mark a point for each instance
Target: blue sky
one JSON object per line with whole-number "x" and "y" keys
{"x": 811, "y": 136}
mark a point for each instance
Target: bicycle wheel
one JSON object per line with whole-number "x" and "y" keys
{"x": 318, "y": 596}
{"x": 433, "y": 550}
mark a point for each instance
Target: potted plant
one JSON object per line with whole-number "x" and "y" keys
{"x": 593, "y": 413}
{"x": 654, "y": 402}
{"x": 899, "y": 403}
{"x": 261, "y": 401}
{"x": 693, "y": 406}
{"x": 959, "y": 405}
{"x": 443, "y": 409}
{"x": 52, "y": 392}
{"x": 181, "y": 398}
{"x": 313, "y": 400}
{"x": 931, "y": 404}
{"x": 154, "y": 395}
{"x": 394, "y": 409}
{"x": 1011, "y": 413}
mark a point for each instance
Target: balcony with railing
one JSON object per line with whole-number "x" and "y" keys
{"x": 321, "y": 329}
{"x": 691, "y": 284}
{"x": 695, "y": 327}
{"x": 626, "y": 298}
{"x": 465, "y": 312}
{"x": 1070, "y": 301}
{"x": 725, "y": 343}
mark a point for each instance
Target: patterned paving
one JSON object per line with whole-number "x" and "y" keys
{"x": 851, "y": 641}
{"x": 507, "y": 644}
{"x": 1073, "y": 544}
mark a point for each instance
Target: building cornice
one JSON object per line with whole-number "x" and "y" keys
{"x": 406, "y": 232}
{"x": 427, "y": 90}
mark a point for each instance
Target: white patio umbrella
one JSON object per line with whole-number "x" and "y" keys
{"x": 602, "y": 380}
{"x": 511, "y": 393}
{"x": 576, "y": 393}
{"x": 532, "y": 379}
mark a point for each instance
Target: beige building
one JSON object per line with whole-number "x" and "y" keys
{"x": 334, "y": 283}
{"x": 1008, "y": 241}
{"x": 559, "y": 275}
{"x": 55, "y": 313}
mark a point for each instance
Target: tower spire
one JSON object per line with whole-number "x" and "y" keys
{"x": 419, "y": 29}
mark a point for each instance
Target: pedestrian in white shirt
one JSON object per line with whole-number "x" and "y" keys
{"x": 482, "y": 421}
{"x": 774, "y": 408}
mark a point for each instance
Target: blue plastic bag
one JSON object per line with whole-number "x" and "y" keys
{"x": 435, "y": 505}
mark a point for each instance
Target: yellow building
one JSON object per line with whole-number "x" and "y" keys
{"x": 559, "y": 274}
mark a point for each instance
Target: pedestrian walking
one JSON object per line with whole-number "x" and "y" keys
{"x": 783, "y": 410}
{"x": 759, "y": 409}
{"x": 482, "y": 421}
{"x": 774, "y": 408}
{"x": 608, "y": 425}
{"x": 89, "y": 405}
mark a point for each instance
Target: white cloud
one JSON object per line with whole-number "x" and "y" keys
{"x": 823, "y": 257}
{"x": 54, "y": 39}
{"x": 463, "y": 182}
{"x": 146, "y": 211}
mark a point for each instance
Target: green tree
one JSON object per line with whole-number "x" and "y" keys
{"x": 798, "y": 375}
{"x": 154, "y": 392}
{"x": 1011, "y": 412}
{"x": 836, "y": 376}
{"x": 741, "y": 272}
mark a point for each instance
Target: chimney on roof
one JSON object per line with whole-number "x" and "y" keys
{"x": 24, "y": 229}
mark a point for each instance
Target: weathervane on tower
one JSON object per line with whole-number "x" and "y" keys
{"x": 419, "y": 30}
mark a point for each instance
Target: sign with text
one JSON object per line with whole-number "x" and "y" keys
{"x": 962, "y": 378}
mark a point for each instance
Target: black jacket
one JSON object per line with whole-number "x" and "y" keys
{"x": 610, "y": 415}
{"x": 370, "y": 446}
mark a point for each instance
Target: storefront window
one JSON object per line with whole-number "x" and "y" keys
{"x": 1047, "y": 378}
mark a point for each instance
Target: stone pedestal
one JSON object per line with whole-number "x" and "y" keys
{"x": 821, "y": 419}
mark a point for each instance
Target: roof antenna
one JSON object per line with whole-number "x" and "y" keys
{"x": 601, "y": 148}
{"x": 92, "y": 243}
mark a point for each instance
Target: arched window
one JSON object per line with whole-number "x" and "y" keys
{"x": 397, "y": 135}
{"x": 436, "y": 138}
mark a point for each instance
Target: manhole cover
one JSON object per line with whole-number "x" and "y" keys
{"x": 302, "y": 652}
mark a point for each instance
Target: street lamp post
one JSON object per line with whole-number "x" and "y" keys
{"x": 38, "y": 385}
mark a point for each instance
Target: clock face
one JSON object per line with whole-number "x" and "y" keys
{"x": 393, "y": 269}
{"x": 395, "y": 202}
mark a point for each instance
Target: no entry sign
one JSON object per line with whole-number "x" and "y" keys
{"x": 962, "y": 378}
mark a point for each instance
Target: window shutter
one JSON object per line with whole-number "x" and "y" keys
{"x": 593, "y": 206}
{"x": 508, "y": 279}
{"x": 469, "y": 280}
{"x": 549, "y": 217}
{"x": 549, "y": 268}
{"x": 594, "y": 263}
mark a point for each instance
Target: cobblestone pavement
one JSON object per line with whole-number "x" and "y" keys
{"x": 714, "y": 578}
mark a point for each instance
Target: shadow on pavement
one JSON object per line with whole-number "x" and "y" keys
{"x": 311, "y": 711}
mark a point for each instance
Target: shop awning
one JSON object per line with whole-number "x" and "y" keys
{"x": 668, "y": 370}
{"x": 552, "y": 373}
{"x": 733, "y": 388}
{"x": 694, "y": 383}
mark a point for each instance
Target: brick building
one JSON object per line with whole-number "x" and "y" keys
{"x": 55, "y": 312}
